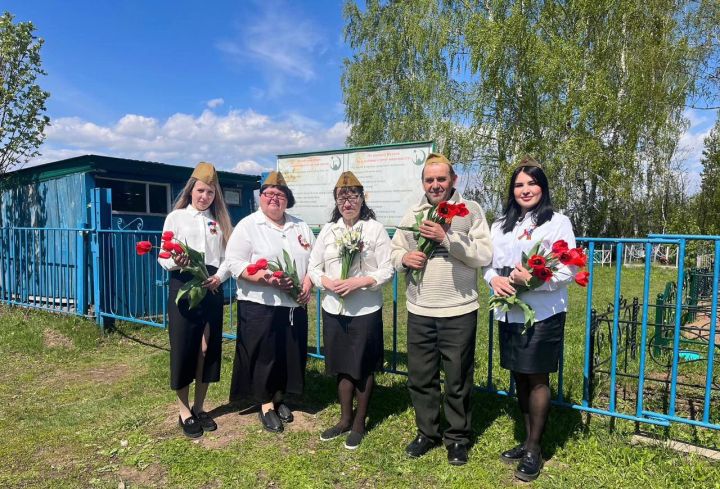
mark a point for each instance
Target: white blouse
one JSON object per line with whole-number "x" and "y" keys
{"x": 202, "y": 233}
{"x": 373, "y": 261}
{"x": 551, "y": 297}
{"x": 257, "y": 237}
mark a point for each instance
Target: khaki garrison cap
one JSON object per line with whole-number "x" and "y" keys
{"x": 205, "y": 172}
{"x": 348, "y": 179}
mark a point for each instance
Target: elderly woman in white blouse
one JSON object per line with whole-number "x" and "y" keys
{"x": 528, "y": 218}
{"x": 200, "y": 219}
{"x": 271, "y": 348}
{"x": 352, "y": 307}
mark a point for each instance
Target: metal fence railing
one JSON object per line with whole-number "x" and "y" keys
{"x": 644, "y": 354}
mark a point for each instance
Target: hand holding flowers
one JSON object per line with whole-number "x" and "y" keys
{"x": 537, "y": 267}
{"x": 429, "y": 231}
{"x": 284, "y": 276}
{"x": 189, "y": 260}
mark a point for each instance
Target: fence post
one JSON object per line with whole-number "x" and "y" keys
{"x": 101, "y": 208}
{"x": 659, "y": 322}
{"x": 81, "y": 272}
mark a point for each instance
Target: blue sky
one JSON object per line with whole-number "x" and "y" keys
{"x": 232, "y": 82}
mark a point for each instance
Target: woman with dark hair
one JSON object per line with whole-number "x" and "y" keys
{"x": 272, "y": 331}
{"x": 528, "y": 218}
{"x": 200, "y": 219}
{"x": 352, "y": 306}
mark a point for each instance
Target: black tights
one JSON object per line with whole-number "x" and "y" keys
{"x": 533, "y": 392}
{"x": 360, "y": 390}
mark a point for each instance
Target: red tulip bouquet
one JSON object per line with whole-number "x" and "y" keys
{"x": 170, "y": 248}
{"x": 286, "y": 268}
{"x": 442, "y": 213}
{"x": 543, "y": 265}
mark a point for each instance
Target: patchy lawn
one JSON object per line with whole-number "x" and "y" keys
{"x": 85, "y": 410}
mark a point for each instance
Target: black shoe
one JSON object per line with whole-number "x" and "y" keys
{"x": 457, "y": 454}
{"x": 284, "y": 413}
{"x": 207, "y": 423}
{"x": 191, "y": 427}
{"x": 333, "y": 432}
{"x": 271, "y": 422}
{"x": 513, "y": 455}
{"x": 420, "y": 446}
{"x": 529, "y": 467}
{"x": 353, "y": 440}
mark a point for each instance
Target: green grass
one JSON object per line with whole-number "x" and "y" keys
{"x": 85, "y": 410}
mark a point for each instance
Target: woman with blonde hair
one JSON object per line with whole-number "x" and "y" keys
{"x": 200, "y": 219}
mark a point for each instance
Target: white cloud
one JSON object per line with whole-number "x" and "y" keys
{"x": 692, "y": 143}
{"x": 240, "y": 140}
{"x": 250, "y": 167}
{"x": 281, "y": 42}
{"x": 215, "y": 103}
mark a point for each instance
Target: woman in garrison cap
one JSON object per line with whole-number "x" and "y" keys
{"x": 352, "y": 307}
{"x": 200, "y": 219}
{"x": 271, "y": 348}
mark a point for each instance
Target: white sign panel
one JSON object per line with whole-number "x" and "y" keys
{"x": 391, "y": 176}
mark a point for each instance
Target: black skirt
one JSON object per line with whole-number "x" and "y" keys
{"x": 537, "y": 351}
{"x": 353, "y": 345}
{"x": 270, "y": 352}
{"x": 185, "y": 327}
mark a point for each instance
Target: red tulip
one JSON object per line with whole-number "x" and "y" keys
{"x": 444, "y": 210}
{"x": 537, "y": 261}
{"x": 168, "y": 246}
{"x": 278, "y": 274}
{"x": 252, "y": 269}
{"x": 461, "y": 210}
{"x": 544, "y": 274}
{"x": 168, "y": 235}
{"x": 177, "y": 249}
{"x": 165, "y": 254}
{"x": 143, "y": 247}
{"x": 582, "y": 278}
{"x": 262, "y": 264}
{"x": 559, "y": 246}
{"x": 579, "y": 257}
{"x": 565, "y": 257}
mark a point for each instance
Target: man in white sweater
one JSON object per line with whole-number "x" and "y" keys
{"x": 442, "y": 311}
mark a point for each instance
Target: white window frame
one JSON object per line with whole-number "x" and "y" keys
{"x": 147, "y": 196}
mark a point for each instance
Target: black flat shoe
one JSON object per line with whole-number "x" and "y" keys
{"x": 207, "y": 423}
{"x": 284, "y": 413}
{"x": 513, "y": 455}
{"x": 191, "y": 427}
{"x": 271, "y": 422}
{"x": 334, "y": 432}
{"x": 420, "y": 446}
{"x": 529, "y": 467}
{"x": 457, "y": 454}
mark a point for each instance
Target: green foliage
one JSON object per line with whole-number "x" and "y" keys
{"x": 595, "y": 90}
{"x": 708, "y": 201}
{"x": 22, "y": 101}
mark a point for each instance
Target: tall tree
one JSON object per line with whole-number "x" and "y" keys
{"x": 22, "y": 101}
{"x": 709, "y": 197}
{"x": 595, "y": 89}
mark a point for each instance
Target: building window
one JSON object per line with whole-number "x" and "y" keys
{"x": 135, "y": 197}
{"x": 232, "y": 197}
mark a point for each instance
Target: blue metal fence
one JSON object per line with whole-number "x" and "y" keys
{"x": 95, "y": 272}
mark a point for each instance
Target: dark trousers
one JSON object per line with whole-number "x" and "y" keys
{"x": 450, "y": 343}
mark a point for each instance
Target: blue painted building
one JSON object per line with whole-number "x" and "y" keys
{"x": 68, "y": 231}
{"x": 57, "y": 194}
